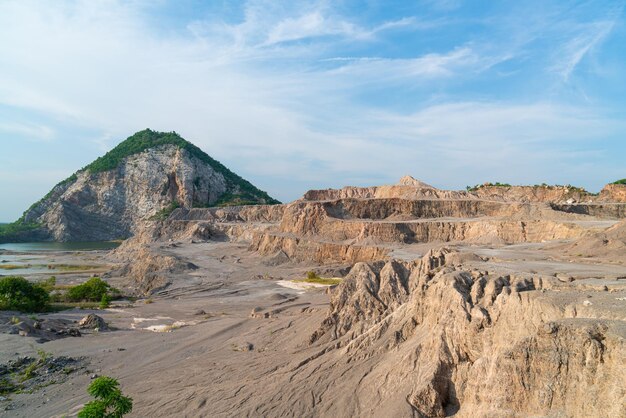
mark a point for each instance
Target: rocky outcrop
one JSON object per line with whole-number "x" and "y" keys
{"x": 147, "y": 269}
{"x": 136, "y": 181}
{"x": 93, "y": 322}
{"x": 302, "y": 249}
{"x": 407, "y": 188}
{"x": 375, "y": 221}
{"x": 255, "y": 213}
{"x": 413, "y": 182}
{"x": 543, "y": 193}
{"x": 613, "y": 193}
{"x": 608, "y": 210}
{"x": 432, "y": 339}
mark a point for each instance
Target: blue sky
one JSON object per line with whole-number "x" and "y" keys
{"x": 295, "y": 95}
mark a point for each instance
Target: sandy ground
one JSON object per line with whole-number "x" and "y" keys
{"x": 210, "y": 332}
{"x": 231, "y": 326}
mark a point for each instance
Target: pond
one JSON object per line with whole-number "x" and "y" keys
{"x": 59, "y": 246}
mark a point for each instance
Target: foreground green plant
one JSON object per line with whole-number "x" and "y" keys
{"x": 109, "y": 402}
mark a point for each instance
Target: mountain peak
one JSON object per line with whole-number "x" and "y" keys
{"x": 413, "y": 182}
{"x": 146, "y": 176}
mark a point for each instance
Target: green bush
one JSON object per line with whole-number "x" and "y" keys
{"x": 165, "y": 213}
{"x": 92, "y": 290}
{"x": 105, "y": 301}
{"x": 18, "y": 294}
{"x": 109, "y": 402}
{"x": 622, "y": 181}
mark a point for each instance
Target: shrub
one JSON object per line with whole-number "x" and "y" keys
{"x": 165, "y": 212}
{"x": 92, "y": 290}
{"x": 109, "y": 402}
{"x": 622, "y": 181}
{"x": 49, "y": 284}
{"x": 17, "y": 293}
{"x": 105, "y": 301}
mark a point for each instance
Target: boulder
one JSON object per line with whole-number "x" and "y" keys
{"x": 94, "y": 322}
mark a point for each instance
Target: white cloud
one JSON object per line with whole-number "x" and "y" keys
{"x": 310, "y": 25}
{"x": 430, "y": 65}
{"x": 30, "y": 131}
{"x": 269, "y": 108}
{"x": 578, "y": 46}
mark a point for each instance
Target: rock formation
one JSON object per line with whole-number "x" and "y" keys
{"x": 148, "y": 175}
{"x": 438, "y": 339}
{"x": 613, "y": 193}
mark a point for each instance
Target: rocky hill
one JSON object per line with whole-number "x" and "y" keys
{"x": 145, "y": 177}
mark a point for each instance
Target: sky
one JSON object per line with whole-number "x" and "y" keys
{"x": 294, "y": 95}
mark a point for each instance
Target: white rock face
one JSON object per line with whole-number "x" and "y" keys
{"x": 109, "y": 205}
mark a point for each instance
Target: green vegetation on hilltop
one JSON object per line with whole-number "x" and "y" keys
{"x": 246, "y": 193}
{"x": 478, "y": 186}
{"x": 14, "y": 231}
{"x": 242, "y": 191}
{"x": 146, "y": 139}
{"x": 542, "y": 185}
{"x": 622, "y": 181}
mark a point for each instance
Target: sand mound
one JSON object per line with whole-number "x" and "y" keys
{"x": 609, "y": 244}
{"x": 413, "y": 182}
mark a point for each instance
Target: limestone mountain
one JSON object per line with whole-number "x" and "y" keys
{"x": 144, "y": 177}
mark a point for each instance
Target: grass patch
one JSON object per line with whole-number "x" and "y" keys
{"x": 312, "y": 277}
{"x": 65, "y": 306}
{"x": 14, "y": 266}
{"x": 6, "y": 386}
{"x": 59, "y": 267}
{"x": 165, "y": 213}
{"x": 622, "y": 181}
{"x": 72, "y": 267}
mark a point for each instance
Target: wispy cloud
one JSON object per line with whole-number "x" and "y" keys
{"x": 30, "y": 131}
{"x": 280, "y": 89}
{"x": 579, "y": 46}
{"x": 429, "y": 65}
